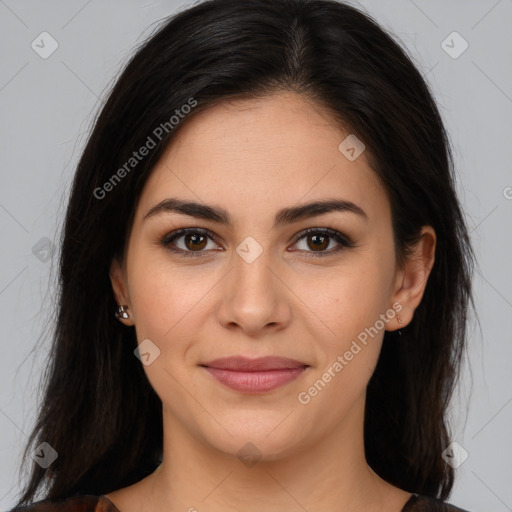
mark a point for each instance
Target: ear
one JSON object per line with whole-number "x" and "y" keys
{"x": 411, "y": 280}
{"x": 120, "y": 288}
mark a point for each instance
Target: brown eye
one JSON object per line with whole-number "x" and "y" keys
{"x": 189, "y": 242}
{"x": 318, "y": 240}
{"x": 195, "y": 241}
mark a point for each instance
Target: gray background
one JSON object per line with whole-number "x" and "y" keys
{"x": 47, "y": 106}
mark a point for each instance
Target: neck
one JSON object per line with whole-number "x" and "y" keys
{"x": 328, "y": 475}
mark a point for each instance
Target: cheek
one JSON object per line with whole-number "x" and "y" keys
{"x": 346, "y": 299}
{"x": 166, "y": 300}
{"x": 347, "y": 304}
{"x": 163, "y": 294}
{"x": 349, "y": 346}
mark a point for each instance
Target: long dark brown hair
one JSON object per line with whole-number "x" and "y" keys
{"x": 99, "y": 411}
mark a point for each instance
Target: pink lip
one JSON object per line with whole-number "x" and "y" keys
{"x": 255, "y": 375}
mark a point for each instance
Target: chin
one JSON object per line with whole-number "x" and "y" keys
{"x": 251, "y": 442}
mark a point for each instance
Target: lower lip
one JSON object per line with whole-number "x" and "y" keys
{"x": 255, "y": 382}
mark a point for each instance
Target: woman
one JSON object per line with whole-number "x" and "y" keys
{"x": 265, "y": 277}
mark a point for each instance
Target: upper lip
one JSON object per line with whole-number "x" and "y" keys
{"x": 245, "y": 364}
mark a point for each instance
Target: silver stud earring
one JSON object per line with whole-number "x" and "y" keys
{"x": 121, "y": 313}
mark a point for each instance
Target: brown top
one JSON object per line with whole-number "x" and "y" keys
{"x": 91, "y": 503}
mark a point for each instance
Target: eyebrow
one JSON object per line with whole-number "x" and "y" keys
{"x": 283, "y": 216}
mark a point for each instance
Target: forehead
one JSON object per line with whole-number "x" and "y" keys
{"x": 261, "y": 155}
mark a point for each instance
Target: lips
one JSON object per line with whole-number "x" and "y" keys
{"x": 244, "y": 364}
{"x": 254, "y": 375}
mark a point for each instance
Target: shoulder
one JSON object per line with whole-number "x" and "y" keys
{"x": 420, "y": 503}
{"x": 79, "y": 503}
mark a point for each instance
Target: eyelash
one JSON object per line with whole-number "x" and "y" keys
{"x": 344, "y": 241}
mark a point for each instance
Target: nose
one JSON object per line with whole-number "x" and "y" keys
{"x": 254, "y": 297}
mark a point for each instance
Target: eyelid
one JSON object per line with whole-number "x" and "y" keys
{"x": 343, "y": 240}
{"x": 166, "y": 240}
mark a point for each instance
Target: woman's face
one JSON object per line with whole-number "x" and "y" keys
{"x": 258, "y": 287}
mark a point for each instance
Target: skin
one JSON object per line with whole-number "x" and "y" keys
{"x": 252, "y": 158}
